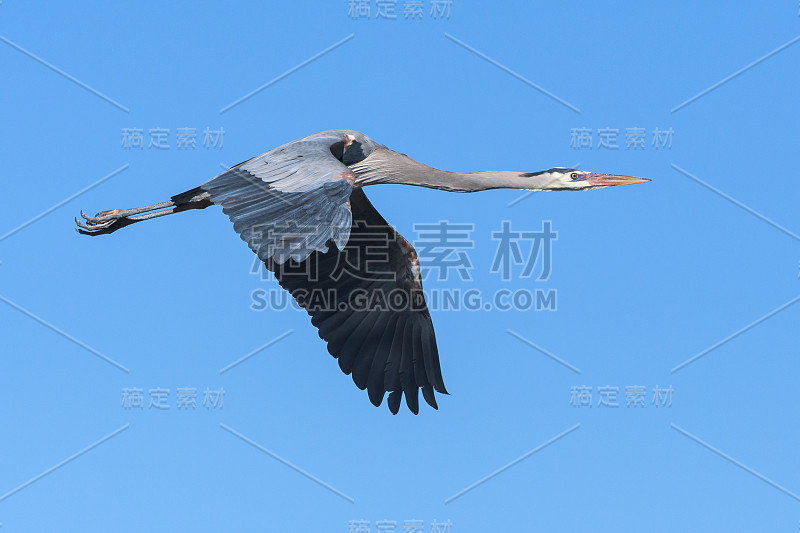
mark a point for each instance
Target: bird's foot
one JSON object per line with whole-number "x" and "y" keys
{"x": 103, "y": 222}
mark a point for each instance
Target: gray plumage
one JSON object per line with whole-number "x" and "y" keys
{"x": 301, "y": 208}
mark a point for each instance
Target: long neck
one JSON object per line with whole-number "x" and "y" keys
{"x": 384, "y": 166}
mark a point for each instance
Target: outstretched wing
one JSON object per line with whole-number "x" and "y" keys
{"x": 366, "y": 300}
{"x": 289, "y": 202}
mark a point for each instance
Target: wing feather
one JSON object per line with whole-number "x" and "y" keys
{"x": 289, "y": 202}
{"x": 298, "y": 209}
{"x": 385, "y": 349}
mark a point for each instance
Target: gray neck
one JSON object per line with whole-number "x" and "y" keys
{"x": 384, "y": 166}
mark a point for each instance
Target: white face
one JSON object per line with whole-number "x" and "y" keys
{"x": 572, "y": 179}
{"x": 577, "y": 180}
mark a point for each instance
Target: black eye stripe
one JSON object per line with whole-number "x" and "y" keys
{"x": 548, "y": 171}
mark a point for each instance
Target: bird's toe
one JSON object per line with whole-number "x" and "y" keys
{"x": 94, "y": 226}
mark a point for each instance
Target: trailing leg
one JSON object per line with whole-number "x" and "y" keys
{"x": 106, "y": 222}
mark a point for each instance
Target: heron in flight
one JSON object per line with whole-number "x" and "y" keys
{"x": 301, "y": 208}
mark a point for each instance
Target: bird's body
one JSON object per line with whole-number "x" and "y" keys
{"x": 301, "y": 208}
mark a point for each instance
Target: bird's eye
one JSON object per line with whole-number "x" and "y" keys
{"x": 574, "y": 175}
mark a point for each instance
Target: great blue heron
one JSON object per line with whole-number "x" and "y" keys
{"x": 302, "y": 209}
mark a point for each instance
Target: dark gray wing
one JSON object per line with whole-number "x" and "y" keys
{"x": 367, "y": 302}
{"x": 290, "y": 201}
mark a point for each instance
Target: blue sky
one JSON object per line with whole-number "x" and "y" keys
{"x": 647, "y": 277}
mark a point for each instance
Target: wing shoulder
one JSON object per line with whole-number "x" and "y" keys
{"x": 289, "y": 202}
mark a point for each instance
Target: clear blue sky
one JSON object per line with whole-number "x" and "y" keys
{"x": 647, "y": 276}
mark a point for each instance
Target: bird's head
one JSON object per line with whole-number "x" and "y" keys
{"x": 570, "y": 179}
